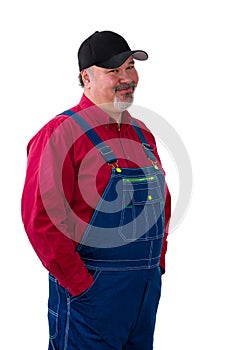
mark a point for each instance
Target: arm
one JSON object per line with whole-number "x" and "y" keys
{"x": 167, "y": 206}
{"x": 166, "y": 228}
{"x": 45, "y": 208}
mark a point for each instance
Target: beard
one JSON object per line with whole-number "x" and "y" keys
{"x": 126, "y": 100}
{"x": 123, "y": 105}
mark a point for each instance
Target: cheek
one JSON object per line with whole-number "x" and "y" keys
{"x": 135, "y": 77}
{"x": 108, "y": 86}
{"x": 104, "y": 90}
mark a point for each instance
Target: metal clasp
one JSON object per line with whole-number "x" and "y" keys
{"x": 155, "y": 165}
{"x": 114, "y": 165}
{"x": 105, "y": 150}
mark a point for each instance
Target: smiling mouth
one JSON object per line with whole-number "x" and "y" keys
{"x": 127, "y": 88}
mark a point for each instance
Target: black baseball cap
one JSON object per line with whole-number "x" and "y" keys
{"x": 106, "y": 49}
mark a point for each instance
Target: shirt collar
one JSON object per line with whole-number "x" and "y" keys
{"x": 101, "y": 118}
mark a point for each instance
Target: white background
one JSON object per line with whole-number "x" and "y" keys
{"x": 188, "y": 80}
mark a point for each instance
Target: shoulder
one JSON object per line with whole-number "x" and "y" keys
{"x": 146, "y": 131}
{"x": 58, "y": 127}
{"x": 49, "y": 127}
{"x": 141, "y": 124}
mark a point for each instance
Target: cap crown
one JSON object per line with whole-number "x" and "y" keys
{"x": 101, "y": 47}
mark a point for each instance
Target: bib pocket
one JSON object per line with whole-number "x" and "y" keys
{"x": 142, "y": 209}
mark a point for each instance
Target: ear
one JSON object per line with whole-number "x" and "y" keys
{"x": 85, "y": 77}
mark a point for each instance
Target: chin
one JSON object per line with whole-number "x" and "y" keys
{"x": 122, "y": 105}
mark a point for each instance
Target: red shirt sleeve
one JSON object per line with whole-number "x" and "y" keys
{"x": 167, "y": 214}
{"x": 45, "y": 208}
{"x": 166, "y": 230}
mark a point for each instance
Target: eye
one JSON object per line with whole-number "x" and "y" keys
{"x": 130, "y": 67}
{"x": 113, "y": 71}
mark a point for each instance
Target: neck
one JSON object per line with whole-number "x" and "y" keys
{"x": 107, "y": 108}
{"x": 116, "y": 116}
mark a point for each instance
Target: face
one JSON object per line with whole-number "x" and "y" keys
{"x": 112, "y": 87}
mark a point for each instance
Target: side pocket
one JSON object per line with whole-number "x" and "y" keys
{"x": 90, "y": 290}
{"x": 53, "y": 307}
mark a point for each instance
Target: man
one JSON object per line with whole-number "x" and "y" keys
{"x": 96, "y": 208}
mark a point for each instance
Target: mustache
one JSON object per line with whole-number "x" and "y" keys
{"x": 125, "y": 86}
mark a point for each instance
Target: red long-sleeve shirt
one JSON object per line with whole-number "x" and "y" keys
{"x": 65, "y": 178}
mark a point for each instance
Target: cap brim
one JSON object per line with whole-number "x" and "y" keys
{"x": 119, "y": 59}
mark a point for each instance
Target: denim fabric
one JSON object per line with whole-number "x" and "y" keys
{"x": 128, "y": 221}
{"x": 121, "y": 247}
{"x": 117, "y": 312}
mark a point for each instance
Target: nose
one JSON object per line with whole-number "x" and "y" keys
{"x": 125, "y": 77}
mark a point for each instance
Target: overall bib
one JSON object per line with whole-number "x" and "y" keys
{"x": 121, "y": 247}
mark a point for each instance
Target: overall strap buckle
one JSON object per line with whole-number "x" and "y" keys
{"x": 148, "y": 149}
{"x": 104, "y": 150}
{"x": 106, "y": 153}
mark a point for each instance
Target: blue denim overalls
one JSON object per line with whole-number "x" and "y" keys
{"x": 121, "y": 247}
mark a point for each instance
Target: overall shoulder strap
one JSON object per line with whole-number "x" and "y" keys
{"x": 104, "y": 150}
{"x": 148, "y": 149}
